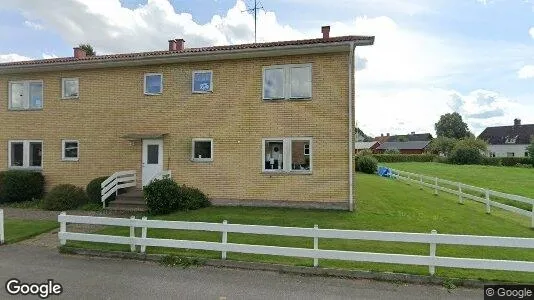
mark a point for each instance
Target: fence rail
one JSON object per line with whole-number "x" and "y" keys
{"x": 2, "y": 237}
{"x": 432, "y": 239}
{"x": 460, "y": 191}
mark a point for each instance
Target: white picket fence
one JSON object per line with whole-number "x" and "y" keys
{"x": 430, "y": 260}
{"x": 461, "y": 189}
{"x": 2, "y": 237}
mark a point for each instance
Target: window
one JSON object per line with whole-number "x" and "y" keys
{"x": 70, "y": 88}
{"x": 202, "y": 150}
{"x": 26, "y": 95}
{"x": 492, "y": 154}
{"x": 287, "y": 82}
{"x": 25, "y": 154}
{"x": 510, "y": 154}
{"x": 70, "y": 150}
{"x": 511, "y": 139}
{"x": 202, "y": 81}
{"x": 153, "y": 84}
{"x": 526, "y": 154}
{"x": 287, "y": 155}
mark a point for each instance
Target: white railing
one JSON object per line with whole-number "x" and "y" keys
{"x": 2, "y": 237}
{"x": 161, "y": 175}
{"x": 115, "y": 182}
{"x": 460, "y": 190}
{"x": 432, "y": 239}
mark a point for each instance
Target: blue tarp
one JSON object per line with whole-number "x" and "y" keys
{"x": 384, "y": 171}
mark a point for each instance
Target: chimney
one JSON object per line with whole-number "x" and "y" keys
{"x": 180, "y": 44}
{"x": 517, "y": 122}
{"x": 326, "y": 32}
{"x": 79, "y": 53}
{"x": 387, "y": 134}
{"x": 413, "y": 132}
{"x": 381, "y": 134}
{"x": 172, "y": 45}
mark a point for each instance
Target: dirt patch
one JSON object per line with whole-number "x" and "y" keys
{"x": 37, "y": 214}
{"x": 50, "y": 239}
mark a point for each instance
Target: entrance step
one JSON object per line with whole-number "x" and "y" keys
{"x": 131, "y": 200}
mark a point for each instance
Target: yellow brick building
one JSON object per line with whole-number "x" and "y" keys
{"x": 256, "y": 124}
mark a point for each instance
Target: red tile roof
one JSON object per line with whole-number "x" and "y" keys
{"x": 112, "y": 57}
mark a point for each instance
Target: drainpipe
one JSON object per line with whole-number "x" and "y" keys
{"x": 351, "y": 126}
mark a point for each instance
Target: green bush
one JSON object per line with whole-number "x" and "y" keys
{"x": 466, "y": 156}
{"x": 392, "y": 151}
{"x": 491, "y": 161}
{"x": 367, "y": 164}
{"x": 162, "y": 196}
{"x": 94, "y": 190}
{"x": 64, "y": 197}
{"x": 514, "y": 161}
{"x": 385, "y": 158}
{"x": 193, "y": 198}
{"x": 20, "y": 186}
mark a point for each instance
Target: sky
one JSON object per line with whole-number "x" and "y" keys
{"x": 474, "y": 57}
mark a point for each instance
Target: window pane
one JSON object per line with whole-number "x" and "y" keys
{"x": 70, "y": 88}
{"x": 153, "y": 84}
{"x": 152, "y": 154}
{"x": 17, "y": 95}
{"x": 202, "y": 82}
{"x": 203, "y": 149}
{"x": 17, "y": 154}
{"x": 71, "y": 150}
{"x": 36, "y": 154}
{"x": 301, "y": 82}
{"x": 273, "y": 84}
{"x": 274, "y": 155}
{"x": 300, "y": 155}
{"x": 36, "y": 95}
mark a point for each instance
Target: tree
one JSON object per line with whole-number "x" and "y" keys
{"x": 442, "y": 145}
{"x": 452, "y": 126}
{"x": 530, "y": 150}
{"x": 89, "y": 51}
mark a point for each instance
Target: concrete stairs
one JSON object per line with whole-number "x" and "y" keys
{"x": 130, "y": 200}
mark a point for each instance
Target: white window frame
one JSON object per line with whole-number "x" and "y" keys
{"x": 287, "y": 81}
{"x": 193, "y": 82}
{"x": 25, "y": 154}
{"x": 286, "y": 155}
{"x": 63, "y": 157}
{"x": 160, "y": 82}
{"x": 26, "y": 84}
{"x": 196, "y": 159}
{"x": 63, "y": 80}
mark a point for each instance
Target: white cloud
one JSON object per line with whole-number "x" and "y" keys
{"x": 531, "y": 32}
{"x": 5, "y": 58}
{"x": 48, "y": 56}
{"x": 526, "y": 72}
{"x": 33, "y": 25}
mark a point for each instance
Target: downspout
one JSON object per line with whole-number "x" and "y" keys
{"x": 351, "y": 126}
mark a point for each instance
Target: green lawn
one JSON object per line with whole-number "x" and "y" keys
{"x": 382, "y": 204}
{"x": 512, "y": 180}
{"x": 18, "y": 230}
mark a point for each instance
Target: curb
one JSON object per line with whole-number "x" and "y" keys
{"x": 297, "y": 270}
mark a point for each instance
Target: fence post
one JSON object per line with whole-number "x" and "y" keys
{"x": 224, "y": 239}
{"x": 488, "y": 205}
{"x": 2, "y": 238}
{"x": 421, "y": 182}
{"x": 62, "y": 229}
{"x": 532, "y": 225}
{"x": 316, "y": 245}
{"x": 436, "y": 186}
{"x": 132, "y": 233}
{"x": 460, "y": 197}
{"x": 432, "y": 267}
{"x": 143, "y": 235}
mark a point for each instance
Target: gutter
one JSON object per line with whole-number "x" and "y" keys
{"x": 351, "y": 126}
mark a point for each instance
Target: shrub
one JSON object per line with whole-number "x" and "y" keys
{"x": 94, "y": 190}
{"x": 20, "y": 186}
{"x": 64, "y": 197}
{"x": 514, "y": 161}
{"x": 463, "y": 155}
{"x": 491, "y": 161}
{"x": 193, "y": 198}
{"x": 392, "y": 151}
{"x": 385, "y": 158}
{"x": 367, "y": 164}
{"x": 162, "y": 196}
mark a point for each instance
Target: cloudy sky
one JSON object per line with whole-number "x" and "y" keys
{"x": 431, "y": 57}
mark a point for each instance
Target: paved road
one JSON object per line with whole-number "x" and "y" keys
{"x": 92, "y": 278}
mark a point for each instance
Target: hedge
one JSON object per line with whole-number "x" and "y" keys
{"x": 506, "y": 161}
{"x": 390, "y": 158}
{"x": 20, "y": 186}
{"x": 64, "y": 197}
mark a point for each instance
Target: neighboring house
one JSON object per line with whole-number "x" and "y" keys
{"x": 253, "y": 124}
{"x": 412, "y": 137}
{"x": 360, "y": 136}
{"x": 508, "y": 141}
{"x": 361, "y": 146}
{"x": 416, "y": 147}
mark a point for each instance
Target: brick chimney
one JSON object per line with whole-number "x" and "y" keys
{"x": 387, "y": 134}
{"x": 79, "y": 53}
{"x": 517, "y": 122}
{"x": 180, "y": 44}
{"x": 326, "y": 32}
{"x": 172, "y": 45}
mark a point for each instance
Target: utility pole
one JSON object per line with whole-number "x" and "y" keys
{"x": 255, "y": 10}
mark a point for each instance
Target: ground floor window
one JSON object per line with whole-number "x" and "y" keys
{"x": 287, "y": 155}
{"x": 25, "y": 154}
{"x": 202, "y": 150}
{"x": 70, "y": 150}
{"x": 510, "y": 154}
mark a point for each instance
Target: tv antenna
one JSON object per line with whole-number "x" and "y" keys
{"x": 255, "y": 9}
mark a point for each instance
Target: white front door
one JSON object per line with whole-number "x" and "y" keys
{"x": 152, "y": 159}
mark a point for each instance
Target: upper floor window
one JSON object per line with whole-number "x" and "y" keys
{"x": 25, "y": 154}
{"x": 511, "y": 139}
{"x": 202, "y": 81}
{"x": 153, "y": 84}
{"x": 26, "y": 95}
{"x": 287, "y": 82}
{"x": 70, "y": 88}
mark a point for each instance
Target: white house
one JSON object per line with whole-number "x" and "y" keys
{"x": 508, "y": 141}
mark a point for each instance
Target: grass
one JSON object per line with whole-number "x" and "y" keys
{"x": 18, "y": 230}
{"x": 37, "y": 204}
{"x": 382, "y": 204}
